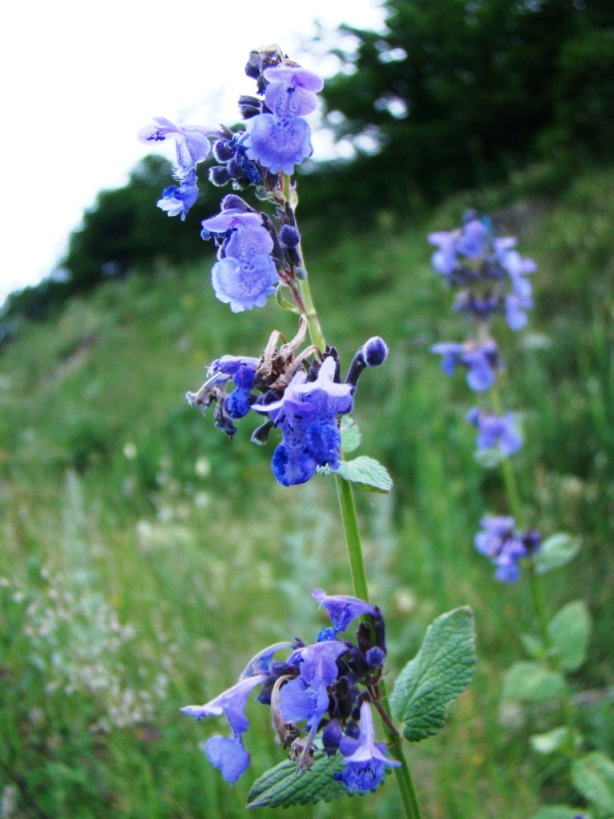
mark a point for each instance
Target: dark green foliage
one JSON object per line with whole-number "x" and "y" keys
{"x": 460, "y": 93}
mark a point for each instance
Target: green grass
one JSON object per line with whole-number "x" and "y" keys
{"x": 145, "y": 556}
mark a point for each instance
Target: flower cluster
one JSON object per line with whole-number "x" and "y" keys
{"x": 504, "y": 546}
{"x": 490, "y": 277}
{"x": 302, "y": 398}
{"x": 256, "y": 254}
{"x": 329, "y": 686}
{"x": 487, "y": 270}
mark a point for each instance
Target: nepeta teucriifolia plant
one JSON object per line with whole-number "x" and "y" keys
{"x": 491, "y": 279}
{"x": 322, "y": 695}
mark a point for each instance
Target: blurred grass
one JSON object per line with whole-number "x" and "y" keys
{"x": 145, "y": 557}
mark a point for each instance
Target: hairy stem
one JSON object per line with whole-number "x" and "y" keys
{"x": 359, "y": 581}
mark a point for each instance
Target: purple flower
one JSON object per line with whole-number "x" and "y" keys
{"x": 495, "y": 431}
{"x": 306, "y": 697}
{"x": 245, "y": 275}
{"x": 504, "y": 546}
{"x": 473, "y": 239}
{"x": 177, "y": 201}
{"x": 480, "y": 359}
{"x": 365, "y": 760}
{"x": 342, "y": 609}
{"x": 281, "y": 139}
{"x": 444, "y": 259}
{"x": 307, "y": 414}
{"x": 515, "y": 307}
{"x": 193, "y": 146}
{"x": 228, "y": 755}
{"x": 231, "y": 702}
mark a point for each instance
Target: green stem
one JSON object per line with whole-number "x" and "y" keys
{"x": 359, "y": 582}
{"x": 352, "y": 539}
{"x": 537, "y": 589}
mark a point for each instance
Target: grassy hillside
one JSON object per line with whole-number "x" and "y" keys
{"x": 144, "y": 554}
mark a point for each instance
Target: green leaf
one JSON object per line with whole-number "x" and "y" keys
{"x": 533, "y": 646}
{"x": 556, "y": 551}
{"x": 285, "y": 785}
{"x": 440, "y": 671}
{"x": 561, "y": 812}
{"x": 593, "y": 776}
{"x": 531, "y": 682}
{"x": 350, "y": 434}
{"x": 488, "y": 458}
{"x": 550, "y": 741}
{"x": 367, "y": 473}
{"x": 570, "y": 629}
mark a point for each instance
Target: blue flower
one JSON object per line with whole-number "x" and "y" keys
{"x": 504, "y": 546}
{"x": 281, "y": 139}
{"x": 480, "y": 359}
{"x": 193, "y": 146}
{"x": 228, "y": 755}
{"x": 306, "y": 697}
{"x": 307, "y": 415}
{"x": 495, "y": 431}
{"x": 515, "y": 307}
{"x": 231, "y": 702}
{"x": 365, "y": 760}
{"x": 342, "y": 609}
{"x": 245, "y": 275}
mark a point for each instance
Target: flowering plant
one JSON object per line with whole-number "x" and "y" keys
{"x": 333, "y": 685}
{"x": 490, "y": 277}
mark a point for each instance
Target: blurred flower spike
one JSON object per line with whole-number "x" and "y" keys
{"x": 489, "y": 273}
{"x": 329, "y": 685}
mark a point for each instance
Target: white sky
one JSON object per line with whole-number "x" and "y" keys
{"x": 80, "y": 78}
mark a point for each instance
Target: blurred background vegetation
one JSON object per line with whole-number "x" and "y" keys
{"x": 144, "y": 555}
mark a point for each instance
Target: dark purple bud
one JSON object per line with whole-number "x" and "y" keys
{"x": 249, "y": 107}
{"x": 223, "y": 151}
{"x": 254, "y": 65}
{"x": 289, "y": 236}
{"x": 375, "y": 657}
{"x": 531, "y": 541}
{"x": 331, "y": 736}
{"x": 372, "y": 353}
{"x": 352, "y": 729}
{"x": 218, "y": 175}
{"x": 375, "y": 351}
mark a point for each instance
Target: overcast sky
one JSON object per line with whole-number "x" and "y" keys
{"x": 81, "y": 78}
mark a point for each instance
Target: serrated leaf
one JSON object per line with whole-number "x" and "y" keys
{"x": 533, "y": 646}
{"x": 284, "y": 785}
{"x": 367, "y": 473}
{"x": 550, "y": 741}
{"x": 556, "y": 551}
{"x": 561, "y": 812}
{"x": 531, "y": 682}
{"x": 570, "y": 629}
{"x": 350, "y": 434}
{"x": 440, "y": 671}
{"x": 488, "y": 458}
{"x": 593, "y": 776}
